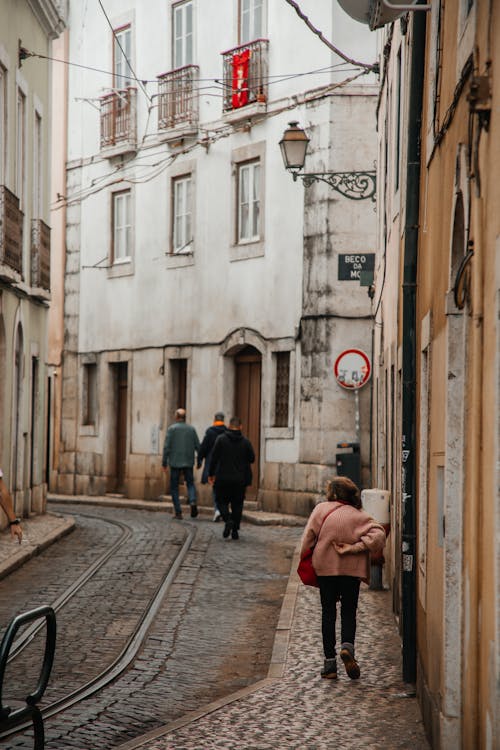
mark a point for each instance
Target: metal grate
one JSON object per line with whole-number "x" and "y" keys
{"x": 40, "y": 254}
{"x": 118, "y": 118}
{"x": 254, "y": 86}
{"x": 282, "y": 389}
{"x": 178, "y": 97}
{"x": 11, "y": 230}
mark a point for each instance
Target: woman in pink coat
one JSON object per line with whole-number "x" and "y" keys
{"x": 343, "y": 536}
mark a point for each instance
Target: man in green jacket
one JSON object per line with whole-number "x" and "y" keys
{"x": 181, "y": 443}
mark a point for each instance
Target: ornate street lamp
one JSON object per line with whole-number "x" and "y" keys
{"x": 354, "y": 185}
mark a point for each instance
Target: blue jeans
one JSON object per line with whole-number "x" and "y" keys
{"x": 174, "y": 485}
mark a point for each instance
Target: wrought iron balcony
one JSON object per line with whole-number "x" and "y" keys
{"x": 11, "y": 235}
{"x": 245, "y": 75}
{"x": 118, "y": 121}
{"x": 178, "y": 99}
{"x": 40, "y": 255}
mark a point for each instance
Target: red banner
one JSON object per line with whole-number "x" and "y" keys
{"x": 240, "y": 79}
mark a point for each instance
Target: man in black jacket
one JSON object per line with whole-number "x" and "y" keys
{"x": 229, "y": 471}
{"x": 205, "y": 452}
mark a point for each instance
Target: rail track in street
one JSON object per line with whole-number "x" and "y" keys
{"x": 134, "y": 642}
{"x": 154, "y": 619}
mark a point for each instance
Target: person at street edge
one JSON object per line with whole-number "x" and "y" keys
{"x": 16, "y": 530}
{"x": 181, "y": 444}
{"x": 343, "y": 536}
{"x": 230, "y": 472}
{"x": 205, "y": 454}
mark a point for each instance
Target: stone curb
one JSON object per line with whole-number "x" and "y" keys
{"x": 256, "y": 517}
{"x": 27, "y": 551}
{"x": 275, "y": 672}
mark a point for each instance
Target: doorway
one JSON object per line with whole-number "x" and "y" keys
{"x": 120, "y": 371}
{"x": 248, "y": 366}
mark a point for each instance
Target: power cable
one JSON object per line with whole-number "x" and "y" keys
{"x": 373, "y": 67}
{"x": 123, "y": 52}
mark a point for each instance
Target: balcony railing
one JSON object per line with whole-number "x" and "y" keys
{"x": 11, "y": 231}
{"x": 40, "y": 255}
{"x": 178, "y": 98}
{"x": 245, "y": 74}
{"x": 118, "y": 119}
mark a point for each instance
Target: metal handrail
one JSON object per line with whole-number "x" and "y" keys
{"x": 7, "y": 715}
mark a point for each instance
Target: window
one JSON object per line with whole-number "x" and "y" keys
{"x": 89, "y": 400}
{"x": 37, "y": 167}
{"x": 122, "y": 226}
{"x": 251, "y": 20}
{"x": 397, "y": 124}
{"x": 282, "y": 389}
{"x": 122, "y": 52}
{"x": 249, "y": 201}
{"x": 3, "y": 123}
{"x": 20, "y": 146}
{"x": 182, "y": 26}
{"x": 181, "y": 212}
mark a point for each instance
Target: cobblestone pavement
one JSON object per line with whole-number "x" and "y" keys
{"x": 200, "y": 681}
{"x": 213, "y": 635}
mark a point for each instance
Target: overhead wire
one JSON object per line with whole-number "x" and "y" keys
{"x": 115, "y": 36}
{"x": 370, "y": 67}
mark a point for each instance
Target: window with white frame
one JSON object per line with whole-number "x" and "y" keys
{"x": 182, "y": 33}
{"x": 3, "y": 123}
{"x": 122, "y": 55}
{"x": 248, "y": 201}
{"x": 20, "y": 146}
{"x": 122, "y": 226}
{"x": 251, "y": 20}
{"x": 181, "y": 214}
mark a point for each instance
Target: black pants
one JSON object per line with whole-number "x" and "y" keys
{"x": 230, "y": 494}
{"x": 333, "y": 589}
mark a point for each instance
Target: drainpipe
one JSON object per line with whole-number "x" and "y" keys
{"x": 408, "y": 478}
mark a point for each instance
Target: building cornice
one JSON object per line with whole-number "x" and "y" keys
{"x": 51, "y": 14}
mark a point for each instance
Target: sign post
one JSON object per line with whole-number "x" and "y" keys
{"x": 352, "y": 370}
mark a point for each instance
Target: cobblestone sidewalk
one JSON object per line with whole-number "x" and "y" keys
{"x": 295, "y": 709}
{"x": 39, "y": 532}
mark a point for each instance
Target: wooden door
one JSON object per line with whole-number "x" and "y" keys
{"x": 247, "y": 405}
{"x": 121, "y": 425}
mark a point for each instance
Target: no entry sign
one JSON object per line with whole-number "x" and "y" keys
{"x": 352, "y": 369}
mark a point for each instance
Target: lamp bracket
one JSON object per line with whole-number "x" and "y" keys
{"x": 353, "y": 185}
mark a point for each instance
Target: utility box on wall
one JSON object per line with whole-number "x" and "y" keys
{"x": 349, "y": 462}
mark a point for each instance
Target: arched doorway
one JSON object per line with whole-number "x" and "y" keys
{"x": 248, "y": 367}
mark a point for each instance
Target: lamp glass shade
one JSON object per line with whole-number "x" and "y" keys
{"x": 294, "y": 146}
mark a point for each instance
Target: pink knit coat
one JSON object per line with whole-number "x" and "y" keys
{"x": 350, "y": 526}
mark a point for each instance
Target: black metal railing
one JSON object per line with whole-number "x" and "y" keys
{"x": 9, "y": 718}
{"x": 40, "y": 254}
{"x": 178, "y": 98}
{"x": 11, "y": 230}
{"x": 245, "y": 74}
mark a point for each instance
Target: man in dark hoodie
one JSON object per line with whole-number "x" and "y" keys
{"x": 205, "y": 452}
{"x": 229, "y": 471}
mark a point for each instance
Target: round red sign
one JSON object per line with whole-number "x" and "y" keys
{"x": 352, "y": 369}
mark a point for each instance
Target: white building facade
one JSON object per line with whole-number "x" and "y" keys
{"x": 198, "y": 273}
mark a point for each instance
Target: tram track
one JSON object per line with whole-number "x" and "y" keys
{"x": 135, "y": 640}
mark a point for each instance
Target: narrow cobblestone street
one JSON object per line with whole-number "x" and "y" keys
{"x": 232, "y": 658}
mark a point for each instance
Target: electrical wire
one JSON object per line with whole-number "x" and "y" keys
{"x": 369, "y": 67}
{"x": 123, "y": 51}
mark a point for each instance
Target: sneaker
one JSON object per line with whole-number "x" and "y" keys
{"x": 194, "y": 511}
{"x": 178, "y": 516}
{"x": 350, "y": 663}
{"x": 329, "y": 670}
{"x": 234, "y": 534}
{"x": 217, "y": 516}
{"x": 227, "y": 529}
